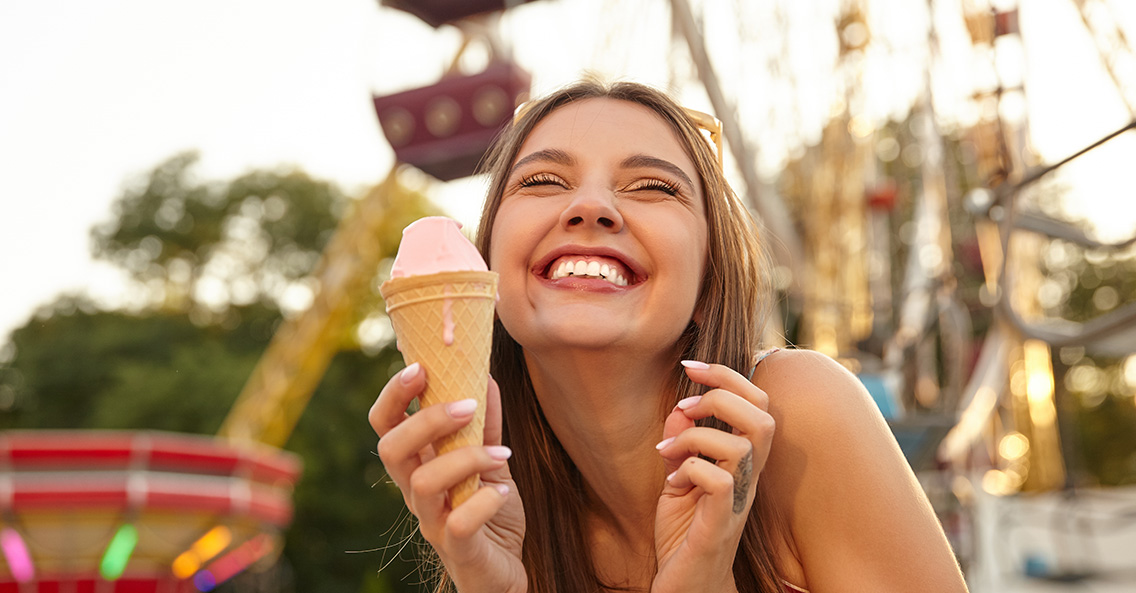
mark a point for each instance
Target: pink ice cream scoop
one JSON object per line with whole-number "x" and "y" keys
{"x": 435, "y": 244}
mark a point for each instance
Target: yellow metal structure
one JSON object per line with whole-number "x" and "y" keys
{"x": 284, "y": 379}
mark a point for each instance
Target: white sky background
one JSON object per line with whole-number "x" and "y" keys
{"x": 94, "y": 93}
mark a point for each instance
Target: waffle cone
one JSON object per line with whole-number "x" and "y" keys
{"x": 444, "y": 322}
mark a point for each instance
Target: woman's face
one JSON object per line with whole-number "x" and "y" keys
{"x": 600, "y": 239}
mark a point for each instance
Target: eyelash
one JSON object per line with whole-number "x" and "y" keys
{"x": 540, "y": 179}
{"x": 647, "y": 184}
{"x": 660, "y": 185}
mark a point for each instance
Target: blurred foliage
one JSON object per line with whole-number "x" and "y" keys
{"x": 179, "y": 363}
{"x": 251, "y": 236}
{"x": 1080, "y": 285}
{"x": 1103, "y": 402}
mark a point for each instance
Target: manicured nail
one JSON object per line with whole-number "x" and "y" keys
{"x": 689, "y": 402}
{"x": 499, "y": 453}
{"x": 462, "y": 408}
{"x": 409, "y": 373}
{"x": 663, "y": 443}
{"x": 671, "y": 477}
{"x": 694, "y": 364}
{"x": 502, "y": 489}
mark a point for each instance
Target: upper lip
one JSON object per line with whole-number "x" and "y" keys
{"x": 542, "y": 265}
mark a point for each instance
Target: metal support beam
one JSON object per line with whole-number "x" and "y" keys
{"x": 761, "y": 196}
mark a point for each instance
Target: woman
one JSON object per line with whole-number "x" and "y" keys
{"x": 632, "y": 291}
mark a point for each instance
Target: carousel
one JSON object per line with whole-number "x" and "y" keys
{"x": 138, "y": 512}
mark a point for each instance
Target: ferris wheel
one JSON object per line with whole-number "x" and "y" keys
{"x": 149, "y": 512}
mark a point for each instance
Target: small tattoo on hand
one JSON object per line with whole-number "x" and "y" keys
{"x": 742, "y": 478}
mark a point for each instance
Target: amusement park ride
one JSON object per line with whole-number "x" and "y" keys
{"x": 152, "y": 512}
{"x": 157, "y": 512}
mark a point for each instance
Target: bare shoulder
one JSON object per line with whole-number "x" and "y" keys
{"x": 807, "y": 386}
{"x": 793, "y": 366}
{"x": 855, "y": 512}
{"x": 828, "y": 432}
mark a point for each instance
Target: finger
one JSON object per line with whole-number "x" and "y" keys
{"x": 695, "y": 472}
{"x": 728, "y": 493}
{"x": 401, "y": 447}
{"x": 733, "y": 454}
{"x": 717, "y": 376}
{"x": 725, "y": 449}
{"x": 740, "y": 413}
{"x": 675, "y": 424}
{"x": 465, "y": 521}
{"x": 430, "y": 483}
{"x": 389, "y": 408}
{"x": 748, "y": 421}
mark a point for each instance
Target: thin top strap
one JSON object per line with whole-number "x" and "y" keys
{"x": 757, "y": 360}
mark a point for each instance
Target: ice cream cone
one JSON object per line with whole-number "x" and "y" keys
{"x": 444, "y": 321}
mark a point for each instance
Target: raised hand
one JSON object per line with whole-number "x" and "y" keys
{"x": 712, "y": 480}
{"x": 480, "y": 541}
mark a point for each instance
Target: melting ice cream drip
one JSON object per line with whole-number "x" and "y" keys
{"x": 447, "y": 318}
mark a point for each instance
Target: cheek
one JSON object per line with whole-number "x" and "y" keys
{"x": 509, "y": 253}
{"x": 503, "y": 243}
{"x": 696, "y": 261}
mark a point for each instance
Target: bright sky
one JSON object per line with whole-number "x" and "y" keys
{"x": 93, "y": 93}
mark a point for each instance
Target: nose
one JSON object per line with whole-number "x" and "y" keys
{"x": 592, "y": 209}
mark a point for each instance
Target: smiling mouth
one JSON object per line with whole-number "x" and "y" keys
{"x": 588, "y": 268}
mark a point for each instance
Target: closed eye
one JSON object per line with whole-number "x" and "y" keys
{"x": 656, "y": 185}
{"x": 541, "y": 179}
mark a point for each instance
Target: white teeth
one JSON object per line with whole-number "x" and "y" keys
{"x": 591, "y": 269}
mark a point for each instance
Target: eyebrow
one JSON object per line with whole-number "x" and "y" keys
{"x": 548, "y": 155}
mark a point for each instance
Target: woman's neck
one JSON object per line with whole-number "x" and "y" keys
{"x": 607, "y": 412}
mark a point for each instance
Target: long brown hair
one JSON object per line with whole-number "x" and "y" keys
{"x": 731, "y": 309}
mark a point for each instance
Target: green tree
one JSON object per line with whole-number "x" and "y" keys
{"x": 215, "y": 261}
{"x": 1098, "y": 388}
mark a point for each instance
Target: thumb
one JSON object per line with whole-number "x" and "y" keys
{"x": 675, "y": 423}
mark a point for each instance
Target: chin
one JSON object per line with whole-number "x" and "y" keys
{"x": 568, "y": 334}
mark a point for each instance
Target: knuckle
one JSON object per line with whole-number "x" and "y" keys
{"x": 386, "y": 455}
{"x": 421, "y": 484}
{"x": 720, "y": 481}
{"x": 459, "y": 527}
{"x": 716, "y": 395}
{"x": 742, "y": 447}
{"x": 373, "y": 416}
{"x": 766, "y": 424}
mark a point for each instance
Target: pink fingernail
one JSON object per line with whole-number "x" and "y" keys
{"x": 671, "y": 477}
{"x": 694, "y": 364}
{"x": 462, "y": 408}
{"x": 499, "y": 453}
{"x": 409, "y": 373}
{"x": 663, "y": 443}
{"x": 689, "y": 402}
{"x": 502, "y": 489}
